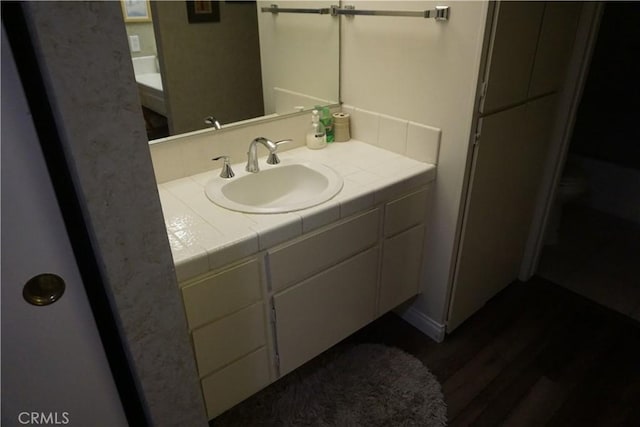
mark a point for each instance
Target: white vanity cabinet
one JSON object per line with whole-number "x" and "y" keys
{"x": 260, "y": 318}
{"x": 382, "y": 272}
{"x": 319, "y": 312}
{"x": 314, "y": 313}
{"x": 402, "y": 249}
{"x": 227, "y": 319}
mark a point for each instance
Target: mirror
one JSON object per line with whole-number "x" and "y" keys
{"x": 233, "y": 62}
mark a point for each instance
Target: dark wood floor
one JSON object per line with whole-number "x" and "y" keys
{"x": 597, "y": 256}
{"x": 537, "y": 354}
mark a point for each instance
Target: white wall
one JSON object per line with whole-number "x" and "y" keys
{"x": 299, "y": 52}
{"x": 424, "y": 71}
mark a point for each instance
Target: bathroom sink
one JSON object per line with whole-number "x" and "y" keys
{"x": 276, "y": 189}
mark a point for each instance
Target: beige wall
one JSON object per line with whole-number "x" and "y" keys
{"x": 144, "y": 30}
{"x": 210, "y": 68}
{"x": 424, "y": 71}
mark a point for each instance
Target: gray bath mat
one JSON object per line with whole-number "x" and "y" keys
{"x": 364, "y": 385}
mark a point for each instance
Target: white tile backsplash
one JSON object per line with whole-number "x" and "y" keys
{"x": 196, "y": 155}
{"x": 349, "y": 109}
{"x": 423, "y": 142}
{"x": 365, "y": 126}
{"x": 191, "y": 154}
{"x": 392, "y": 134}
{"x": 414, "y": 140}
{"x": 167, "y": 162}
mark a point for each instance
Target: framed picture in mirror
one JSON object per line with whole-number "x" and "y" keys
{"x": 203, "y": 11}
{"x": 136, "y": 10}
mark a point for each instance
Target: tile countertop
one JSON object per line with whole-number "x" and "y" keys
{"x": 204, "y": 236}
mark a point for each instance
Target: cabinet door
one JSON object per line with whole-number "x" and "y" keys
{"x": 513, "y": 50}
{"x": 554, "y": 46}
{"x": 507, "y": 170}
{"x": 401, "y": 262}
{"x": 319, "y": 312}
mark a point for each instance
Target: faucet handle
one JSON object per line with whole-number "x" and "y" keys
{"x": 226, "y": 171}
{"x": 273, "y": 158}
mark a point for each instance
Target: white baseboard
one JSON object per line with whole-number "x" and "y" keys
{"x": 434, "y": 330}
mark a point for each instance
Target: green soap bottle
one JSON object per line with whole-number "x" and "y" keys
{"x": 327, "y": 120}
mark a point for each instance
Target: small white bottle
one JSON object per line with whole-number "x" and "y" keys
{"x": 316, "y": 136}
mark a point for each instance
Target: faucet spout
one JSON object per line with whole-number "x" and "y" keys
{"x": 213, "y": 122}
{"x": 252, "y": 154}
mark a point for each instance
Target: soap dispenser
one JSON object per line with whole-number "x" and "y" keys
{"x": 316, "y": 135}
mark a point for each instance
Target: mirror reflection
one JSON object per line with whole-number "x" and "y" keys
{"x": 202, "y": 62}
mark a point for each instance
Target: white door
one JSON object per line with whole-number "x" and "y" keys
{"x": 54, "y": 368}
{"x": 513, "y": 51}
{"x": 506, "y": 174}
{"x": 529, "y": 50}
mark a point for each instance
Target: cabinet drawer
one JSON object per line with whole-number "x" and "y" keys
{"x": 229, "y": 338}
{"x": 236, "y": 382}
{"x": 327, "y": 247}
{"x": 401, "y": 262}
{"x": 220, "y": 294}
{"x": 405, "y": 212}
{"x": 319, "y": 312}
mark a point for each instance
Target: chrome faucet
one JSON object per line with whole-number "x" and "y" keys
{"x": 252, "y": 155}
{"x": 213, "y": 122}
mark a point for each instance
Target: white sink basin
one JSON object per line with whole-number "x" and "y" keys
{"x": 276, "y": 189}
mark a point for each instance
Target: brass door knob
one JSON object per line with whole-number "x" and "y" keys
{"x": 43, "y": 289}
